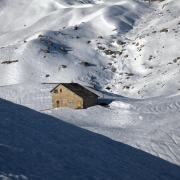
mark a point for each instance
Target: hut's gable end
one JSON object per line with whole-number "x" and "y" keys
{"x": 64, "y": 97}
{"x": 62, "y": 90}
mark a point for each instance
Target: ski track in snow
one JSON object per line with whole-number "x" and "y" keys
{"x": 159, "y": 108}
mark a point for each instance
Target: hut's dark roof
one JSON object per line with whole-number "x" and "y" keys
{"x": 77, "y": 89}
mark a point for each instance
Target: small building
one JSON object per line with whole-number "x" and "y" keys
{"x": 73, "y": 95}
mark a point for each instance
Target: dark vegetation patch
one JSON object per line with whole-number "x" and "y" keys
{"x": 111, "y": 52}
{"x": 47, "y": 75}
{"x": 151, "y": 57}
{"x": 86, "y": 64}
{"x": 129, "y": 74}
{"x": 62, "y": 67}
{"x": 164, "y": 30}
{"x": 119, "y": 42}
{"x": 10, "y": 62}
{"x": 100, "y": 37}
{"x": 76, "y": 28}
{"x": 126, "y": 87}
{"x": 108, "y": 88}
{"x": 176, "y": 60}
{"x": 113, "y": 69}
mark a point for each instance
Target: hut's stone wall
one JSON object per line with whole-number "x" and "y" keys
{"x": 63, "y": 97}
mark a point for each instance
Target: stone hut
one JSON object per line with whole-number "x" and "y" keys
{"x": 73, "y": 95}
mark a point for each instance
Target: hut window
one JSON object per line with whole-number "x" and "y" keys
{"x": 56, "y": 91}
{"x": 60, "y": 90}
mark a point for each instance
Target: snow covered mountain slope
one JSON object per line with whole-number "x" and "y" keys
{"x": 127, "y": 50}
{"x": 151, "y": 125}
{"x": 92, "y": 42}
{"x": 51, "y": 41}
{"x": 150, "y": 63}
{"x": 36, "y": 146}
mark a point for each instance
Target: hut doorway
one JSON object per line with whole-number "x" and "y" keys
{"x": 58, "y": 103}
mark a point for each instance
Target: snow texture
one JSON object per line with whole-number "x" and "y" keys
{"x": 124, "y": 50}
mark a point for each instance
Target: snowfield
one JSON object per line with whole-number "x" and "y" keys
{"x": 128, "y": 52}
{"x": 151, "y": 125}
{"x": 37, "y": 146}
